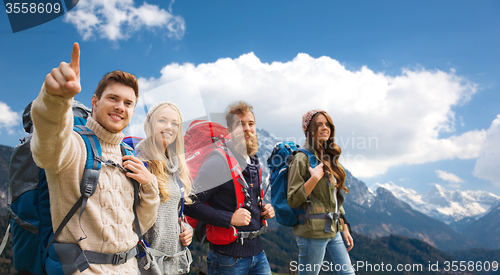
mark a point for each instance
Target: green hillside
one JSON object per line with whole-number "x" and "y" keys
{"x": 368, "y": 255}
{"x": 6, "y": 266}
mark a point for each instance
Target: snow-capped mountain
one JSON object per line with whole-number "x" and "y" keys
{"x": 443, "y": 204}
{"x": 391, "y": 209}
{"x": 485, "y": 229}
{"x": 382, "y": 214}
{"x": 266, "y": 145}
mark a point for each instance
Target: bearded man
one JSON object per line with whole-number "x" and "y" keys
{"x": 245, "y": 255}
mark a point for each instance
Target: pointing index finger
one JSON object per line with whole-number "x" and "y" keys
{"x": 75, "y": 58}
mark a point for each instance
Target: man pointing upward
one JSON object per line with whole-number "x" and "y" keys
{"x": 108, "y": 218}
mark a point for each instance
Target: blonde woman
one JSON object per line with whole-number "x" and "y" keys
{"x": 163, "y": 152}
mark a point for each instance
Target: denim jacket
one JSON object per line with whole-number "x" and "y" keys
{"x": 321, "y": 199}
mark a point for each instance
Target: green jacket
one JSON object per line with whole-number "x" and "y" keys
{"x": 321, "y": 198}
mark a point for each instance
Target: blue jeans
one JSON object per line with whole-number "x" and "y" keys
{"x": 312, "y": 252}
{"x": 218, "y": 263}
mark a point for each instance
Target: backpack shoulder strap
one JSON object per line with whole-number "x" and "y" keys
{"x": 240, "y": 185}
{"x": 126, "y": 151}
{"x": 181, "y": 188}
{"x": 92, "y": 163}
{"x": 312, "y": 157}
{"x": 89, "y": 180}
{"x": 262, "y": 195}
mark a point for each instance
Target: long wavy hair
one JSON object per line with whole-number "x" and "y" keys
{"x": 157, "y": 160}
{"x": 329, "y": 152}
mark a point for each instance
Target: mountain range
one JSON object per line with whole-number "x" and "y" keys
{"x": 5, "y": 152}
{"x": 390, "y": 209}
{"x": 474, "y": 214}
{"x": 485, "y": 229}
{"x": 442, "y": 204}
{"x": 382, "y": 214}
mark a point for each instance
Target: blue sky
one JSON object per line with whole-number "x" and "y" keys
{"x": 420, "y": 78}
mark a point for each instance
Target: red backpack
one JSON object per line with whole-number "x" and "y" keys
{"x": 202, "y": 139}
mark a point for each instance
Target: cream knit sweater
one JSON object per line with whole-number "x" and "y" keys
{"x": 108, "y": 218}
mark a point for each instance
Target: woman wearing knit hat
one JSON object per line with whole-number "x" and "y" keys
{"x": 163, "y": 152}
{"x": 318, "y": 192}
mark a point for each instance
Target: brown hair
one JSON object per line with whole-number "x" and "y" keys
{"x": 239, "y": 108}
{"x": 121, "y": 77}
{"x": 329, "y": 151}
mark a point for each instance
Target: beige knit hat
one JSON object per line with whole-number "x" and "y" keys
{"x": 156, "y": 107}
{"x": 307, "y": 117}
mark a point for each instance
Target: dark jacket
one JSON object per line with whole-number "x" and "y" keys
{"x": 221, "y": 198}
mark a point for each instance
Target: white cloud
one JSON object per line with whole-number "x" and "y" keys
{"x": 449, "y": 177}
{"x": 184, "y": 93}
{"x": 8, "y": 118}
{"x": 381, "y": 121}
{"x": 487, "y": 165}
{"x": 119, "y": 19}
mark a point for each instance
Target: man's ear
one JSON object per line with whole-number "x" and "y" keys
{"x": 94, "y": 101}
{"x": 94, "y": 105}
{"x": 229, "y": 130}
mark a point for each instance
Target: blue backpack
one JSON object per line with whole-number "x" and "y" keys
{"x": 34, "y": 247}
{"x": 278, "y": 178}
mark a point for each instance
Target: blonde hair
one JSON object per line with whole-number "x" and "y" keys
{"x": 157, "y": 160}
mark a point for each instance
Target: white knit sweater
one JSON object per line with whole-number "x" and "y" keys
{"x": 108, "y": 217}
{"x": 164, "y": 236}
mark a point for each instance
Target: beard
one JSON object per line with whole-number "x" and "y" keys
{"x": 245, "y": 146}
{"x": 252, "y": 144}
{"x": 238, "y": 142}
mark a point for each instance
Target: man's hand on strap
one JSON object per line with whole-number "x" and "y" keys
{"x": 241, "y": 217}
{"x": 268, "y": 212}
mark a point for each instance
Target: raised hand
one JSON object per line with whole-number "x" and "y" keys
{"x": 64, "y": 81}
